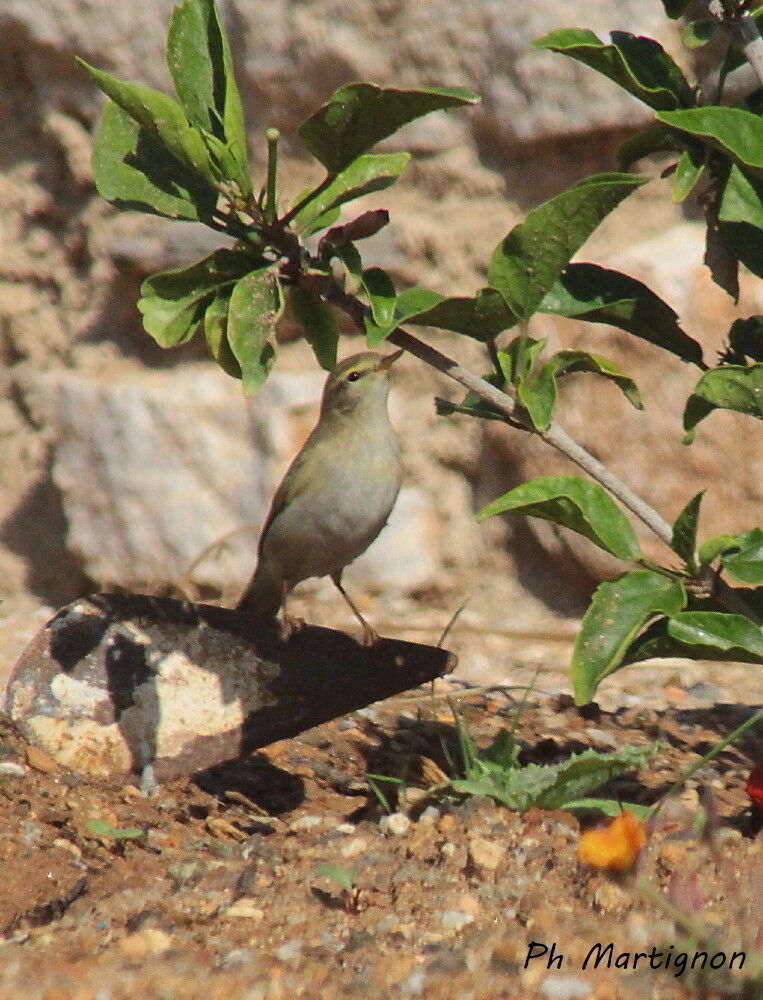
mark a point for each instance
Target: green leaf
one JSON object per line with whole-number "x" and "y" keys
{"x": 548, "y": 786}
{"x": 684, "y": 540}
{"x": 655, "y": 138}
{"x": 518, "y": 359}
{"x": 381, "y": 297}
{"x": 409, "y": 304}
{"x": 600, "y": 295}
{"x": 134, "y": 171}
{"x": 746, "y": 563}
{"x": 712, "y": 547}
{"x": 173, "y": 302}
{"x": 343, "y": 877}
{"x": 695, "y": 34}
{"x": 159, "y": 115}
{"x": 570, "y": 362}
{"x": 102, "y": 828}
{"x": 664, "y": 639}
{"x": 573, "y": 503}
{"x": 482, "y": 317}
{"x": 640, "y": 65}
{"x": 741, "y": 199}
{"x": 358, "y": 116}
{"x": 737, "y": 133}
{"x": 617, "y": 612}
{"x": 609, "y": 807}
{"x": 200, "y": 64}
{"x": 255, "y": 305}
{"x": 688, "y": 171}
{"x": 373, "y": 172}
{"x": 528, "y": 261}
{"x": 216, "y": 334}
{"x": 730, "y": 387}
{"x": 718, "y": 630}
{"x": 537, "y": 393}
{"x": 318, "y": 324}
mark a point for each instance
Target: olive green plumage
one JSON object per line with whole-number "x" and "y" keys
{"x": 338, "y": 492}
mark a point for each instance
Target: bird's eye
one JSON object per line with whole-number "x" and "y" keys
{"x": 353, "y": 376}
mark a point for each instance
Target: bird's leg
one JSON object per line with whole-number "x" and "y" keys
{"x": 370, "y": 637}
{"x": 289, "y": 624}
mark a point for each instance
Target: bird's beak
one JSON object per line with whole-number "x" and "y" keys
{"x": 388, "y": 360}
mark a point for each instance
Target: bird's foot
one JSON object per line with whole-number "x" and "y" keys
{"x": 289, "y": 625}
{"x": 369, "y": 637}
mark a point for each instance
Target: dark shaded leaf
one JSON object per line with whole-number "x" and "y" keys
{"x": 135, "y": 171}
{"x": 684, "y": 540}
{"x": 482, "y": 317}
{"x": 318, "y": 325}
{"x": 600, "y": 295}
{"x": 358, "y": 116}
{"x": 527, "y": 262}
{"x": 255, "y": 305}
{"x": 639, "y": 65}
{"x": 618, "y": 611}
{"x": 216, "y": 334}
{"x": 655, "y": 138}
{"x": 573, "y": 503}
{"x": 746, "y": 337}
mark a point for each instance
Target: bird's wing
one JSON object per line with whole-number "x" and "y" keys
{"x": 293, "y": 483}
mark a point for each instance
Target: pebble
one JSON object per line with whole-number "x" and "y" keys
{"x": 141, "y": 944}
{"x": 485, "y": 853}
{"x": 397, "y": 824}
{"x": 40, "y": 760}
{"x": 246, "y": 908}
{"x": 345, "y": 828}
{"x": 291, "y": 951}
{"x": 344, "y": 724}
{"x": 353, "y": 847}
{"x": 10, "y": 770}
{"x": 430, "y": 815}
{"x": 565, "y": 988}
{"x": 455, "y": 920}
{"x": 601, "y": 738}
{"x": 305, "y": 823}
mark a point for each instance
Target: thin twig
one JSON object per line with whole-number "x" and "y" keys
{"x": 751, "y": 42}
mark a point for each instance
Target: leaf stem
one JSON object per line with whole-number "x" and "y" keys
{"x": 272, "y": 135}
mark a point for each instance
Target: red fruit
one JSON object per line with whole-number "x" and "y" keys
{"x": 754, "y": 786}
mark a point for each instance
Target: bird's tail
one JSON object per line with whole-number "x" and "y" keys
{"x": 263, "y": 596}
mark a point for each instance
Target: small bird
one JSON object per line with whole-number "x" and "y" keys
{"x": 336, "y": 495}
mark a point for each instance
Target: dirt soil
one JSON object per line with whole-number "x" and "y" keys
{"x": 219, "y": 895}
